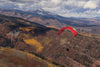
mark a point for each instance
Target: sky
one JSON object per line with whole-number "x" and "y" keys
{"x": 66, "y": 8}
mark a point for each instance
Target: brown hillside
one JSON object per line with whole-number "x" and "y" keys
{"x": 64, "y": 50}
{"x": 14, "y": 58}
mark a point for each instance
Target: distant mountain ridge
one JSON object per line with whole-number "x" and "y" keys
{"x": 49, "y": 19}
{"x": 98, "y": 18}
{"x": 48, "y": 15}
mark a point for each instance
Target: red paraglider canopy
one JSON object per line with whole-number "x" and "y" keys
{"x": 69, "y": 28}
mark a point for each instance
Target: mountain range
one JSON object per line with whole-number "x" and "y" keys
{"x": 25, "y": 43}
{"x": 90, "y": 25}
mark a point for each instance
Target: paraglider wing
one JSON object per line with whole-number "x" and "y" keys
{"x": 69, "y": 28}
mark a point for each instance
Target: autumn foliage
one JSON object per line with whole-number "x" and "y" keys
{"x": 34, "y": 43}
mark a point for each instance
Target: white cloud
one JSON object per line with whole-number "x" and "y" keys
{"x": 98, "y": 12}
{"x": 91, "y": 5}
{"x": 20, "y": 5}
{"x": 90, "y": 12}
{"x": 74, "y": 3}
{"x": 56, "y": 1}
{"x": 52, "y": 9}
{"x": 68, "y": 8}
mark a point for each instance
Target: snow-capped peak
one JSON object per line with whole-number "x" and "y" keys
{"x": 43, "y": 12}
